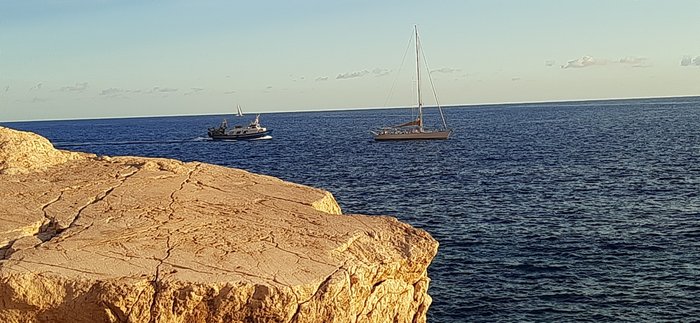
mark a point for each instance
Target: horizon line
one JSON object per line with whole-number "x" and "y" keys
{"x": 365, "y": 108}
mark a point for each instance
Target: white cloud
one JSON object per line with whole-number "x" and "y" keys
{"x": 36, "y": 87}
{"x": 112, "y": 91}
{"x": 634, "y": 61}
{"x": 588, "y": 61}
{"x": 446, "y": 70}
{"x": 115, "y": 92}
{"x": 194, "y": 90}
{"x": 350, "y": 75}
{"x": 690, "y": 61}
{"x": 78, "y": 87}
{"x": 322, "y": 78}
{"x": 296, "y": 79}
{"x": 584, "y": 61}
{"x": 230, "y": 92}
{"x": 158, "y": 89}
{"x": 381, "y": 71}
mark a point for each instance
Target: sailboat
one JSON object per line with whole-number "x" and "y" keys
{"x": 414, "y": 129}
{"x": 240, "y": 112}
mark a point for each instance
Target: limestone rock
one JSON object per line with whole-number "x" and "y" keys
{"x": 23, "y": 152}
{"x": 128, "y": 239}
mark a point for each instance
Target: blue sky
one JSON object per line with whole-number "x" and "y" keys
{"x": 64, "y": 59}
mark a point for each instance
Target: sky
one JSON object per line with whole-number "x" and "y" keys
{"x": 76, "y": 59}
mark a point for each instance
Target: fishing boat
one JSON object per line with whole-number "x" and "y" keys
{"x": 414, "y": 129}
{"x": 238, "y": 132}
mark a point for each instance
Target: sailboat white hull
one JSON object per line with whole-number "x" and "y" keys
{"x": 426, "y": 135}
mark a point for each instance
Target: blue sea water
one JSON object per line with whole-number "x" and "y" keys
{"x": 579, "y": 211}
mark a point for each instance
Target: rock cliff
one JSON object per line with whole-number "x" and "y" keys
{"x": 127, "y": 239}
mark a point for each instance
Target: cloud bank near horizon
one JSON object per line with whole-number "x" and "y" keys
{"x": 446, "y": 70}
{"x": 589, "y": 61}
{"x": 78, "y": 87}
{"x": 378, "y": 71}
{"x": 690, "y": 61}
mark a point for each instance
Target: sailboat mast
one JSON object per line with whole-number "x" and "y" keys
{"x": 420, "y": 101}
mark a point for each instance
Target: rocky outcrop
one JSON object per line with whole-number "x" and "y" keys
{"x": 126, "y": 239}
{"x": 24, "y": 152}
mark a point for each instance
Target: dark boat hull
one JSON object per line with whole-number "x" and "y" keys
{"x": 247, "y": 136}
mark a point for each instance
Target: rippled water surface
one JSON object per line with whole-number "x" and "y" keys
{"x": 584, "y": 211}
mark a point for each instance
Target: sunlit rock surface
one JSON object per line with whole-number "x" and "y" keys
{"x": 128, "y": 239}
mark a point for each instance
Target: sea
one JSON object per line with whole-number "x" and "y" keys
{"x": 567, "y": 211}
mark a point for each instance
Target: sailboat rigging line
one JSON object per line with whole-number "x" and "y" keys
{"x": 432, "y": 85}
{"x": 398, "y": 72}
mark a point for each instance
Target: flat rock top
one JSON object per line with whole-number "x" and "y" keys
{"x": 84, "y": 217}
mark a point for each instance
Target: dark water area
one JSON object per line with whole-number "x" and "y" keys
{"x": 580, "y": 211}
